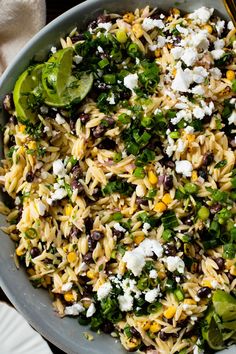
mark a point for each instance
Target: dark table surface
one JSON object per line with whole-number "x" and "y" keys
{"x": 54, "y": 9}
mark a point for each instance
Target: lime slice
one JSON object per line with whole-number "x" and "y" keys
{"x": 74, "y": 92}
{"x": 212, "y": 333}
{"x": 56, "y": 72}
{"x": 27, "y": 93}
{"x": 225, "y": 307}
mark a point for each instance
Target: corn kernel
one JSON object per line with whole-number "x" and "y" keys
{"x": 152, "y": 177}
{"x": 189, "y": 302}
{"x": 71, "y": 257}
{"x": 22, "y": 128}
{"x": 139, "y": 239}
{"x": 191, "y": 137}
{"x": 208, "y": 28}
{"x": 230, "y": 75}
{"x": 68, "y": 209}
{"x": 207, "y": 283}
{"x": 137, "y": 30}
{"x": 160, "y": 207}
{"x": 129, "y": 17}
{"x": 91, "y": 274}
{"x": 174, "y": 71}
{"x": 233, "y": 270}
{"x": 65, "y": 248}
{"x": 32, "y": 145}
{"x": 157, "y": 53}
{"x": 194, "y": 176}
{"x": 170, "y": 312}
{"x": 155, "y": 327}
{"x": 146, "y": 325}
{"x": 161, "y": 275}
{"x": 167, "y": 198}
{"x": 69, "y": 297}
{"x": 19, "y": 252}
{"x": 169, "y": 45}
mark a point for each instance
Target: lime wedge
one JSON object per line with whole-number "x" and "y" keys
{"x": 212, "y": 333}
{"x": 27, "y": 93}
{"x": 56, "y": 72}
{"x": 225, "y": 307}
{"x": 74, "y": 92}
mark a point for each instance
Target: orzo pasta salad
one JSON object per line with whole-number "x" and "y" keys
{"x": 119, "y": 158}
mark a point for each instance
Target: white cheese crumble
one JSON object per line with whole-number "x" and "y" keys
{"x": 53, "y": 50}
{"x": 232, "y": 118}
{"x": 58, "y": 168}
{"x": 220, "y": 25}
{"x": 181, "y": 81}
{"x": 199, "y": 40}
{"x": 111, "y": 99}
{"x": 199, "y": 113}
{"x": 17, "y": 201}
{"x": 175, "y": 263}
{"x": 44, "y": 109}
{"x": 151, "y": 295}
{"x": 131, "y": 81}
{"x": 118, "y": 227}
{"x": 74, "y": 310}
{"x": 219, "y": 43}
{"x": 140, "y": 191}
{"x": 201, "y": 15}
{"x": 189, "y": 129}
{"x": 104, "y": 290}
{"x": 66, "y": 286}
{"x": 91, "y": 310}
{"x": 148, "y": 24}
{"x": 185, "y": 167}
{"x": 59, "y": 119}
{"x": 105, "y": 25}
{"x": 198, "y": 90}
{"x": 216, "y": 73}
{"x": 177, "y": 52}
{"x": 217, "y": 53}
{"x": 153, "y": 274}
{"x": 41, "y": 207}
{"x": 146, "y": 227}
{"x": 77, "y": 59}
{"x": 190, "y": 56}
{"x": 125, "y": 302}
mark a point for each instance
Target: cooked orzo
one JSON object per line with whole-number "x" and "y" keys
{"x": 119, "y": 157}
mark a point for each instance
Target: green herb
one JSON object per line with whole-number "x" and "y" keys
{"x": 203, "y": 213}
{"x": 139, "y": 172}
{"x": 223, "y": 215}
{"x": 197, "y": 125}
{"x": 127, "y": 331}
{"x": 151, "y": 193}
{"x": 31, "y": 233}
{"x": 167, "y": 235}
{"x": 228, "y": 109}
{"x": 217, "y": 195}
{"x": 179, "y": 194}
{"x": 134, "y": 51}
{"x": 179, "y": 294}
{"x": 233, "y": 182}
{"x": 117, "y": 216}
{"x": 169, "y": 220}
{"x": 11, "y": 151}
{"x": 221, "y": 164}
{"x": 72, "y": 161}
{"x": 143, "y": 283}
{"x": 36, "y": 131}
{"x": 121, "y": 249}
{"x": 234, "y": 86}
{"x": 229, "y": 251}
{"x": 218, "y": 124}
{"x": 146, "y": 121}
{"x": 155, "y": 307}
{"x": 103, "y": 63}
{"x": 109, "y": 79}
{"x": 83, "y": 320}
{"x": 149, "y": 78}
{"x": 117, "y": 157}
{"x": 68, "y": 190}
{"x": 224, "y": 60}
{"x": 174, "y": 135}
{"x": 118, "y": 186}
{"x": 124, "y": 118}
{"x": 145, "y": 157}
{"x": 191, "y": 188}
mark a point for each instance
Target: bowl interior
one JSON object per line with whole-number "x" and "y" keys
{"x": 35, "y": 304}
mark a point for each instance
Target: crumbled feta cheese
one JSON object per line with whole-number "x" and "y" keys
{"x": 74, "y": 310}
{"x": 214, "y": 284}
{"x": 104, "y": 290}
{"x": 161, "y": 41}
{"x": 91, "y": 310}
{"x": 58, "y": 168}
{"x": 41, "y": 207}
{"x": 199, "y": 41}
{"x": 148, "y": 24}
{"x": 118, "y": 227}
{"x": 230, "y": 25}
{"x": 131, "y": 81}
{"x": 232, "y": 118}
{"x": 182, "y": 30}
{"x": 125, "y": 302}
{"x": 217, "y": 53}
{"x": 190, "y": 56}
{"x": 111, "y": 99}
{"x": 197, "y": 350}
{"x": 44, "y": 109}
{"x": 53, "y": 50}
{"x": 82, "y": 267}
{"x": 216, "y": 73}
{"x": 198, "y": 90}
{"x": 146, "y": 227}
{"x": 177, "y": 52}
{"x": 185, "y": 167}
{"x": 67, "y": 286}
{"x": 199, "y": 74}
{"x": 175, "y": 263}
{"x": 189, "y": 129}
{"x": 220, "y": 25}
{"x": 77, "y": 59}
{"x": 180, "y": 146}
{"x": 105, "y": 25}
{"x": 100, "y": 49}
{"x": 201, "y": 15}
{"x": 140, "y": 191}
{"x": 151, "y": 295}
{"x": 153, "y": 274}
{"x": 199, "y": 113}
{"x": 17, "y": 201}
{"x": 219, "y": 43}
{"x": 59, "y": 119}
{"x": 181, "y": 81}
{"x": 58, "y": 194}
{"x": 46, "y": 129}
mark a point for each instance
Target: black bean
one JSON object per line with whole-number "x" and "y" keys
{"x": 84, "y": 117}
{"x": 11, "y": 141}
{"x": 125, "y": 95}
{"x": 171, "y": 126}
{"x": 97, "y": 193}
{"x": 93, "y": 25}
{"x": 34, "y": 252}
{"x": 75, "y": 232}
{"x": 119, "y": 234}
{"x": 88, "y": 223}
{"x": 77, "y": 172}
{"x": 170, "y": 164}
{"x": 230, "y": 276}
{"x": 13, "y": 120}
{"x": 107, "y": 327}
{"x": 79, "y": 37}
{"x": 88, "y": 258}
{"x": 188, "y": 221}
{"x": 91, "y": 243}
{"x": 220, "y": 262}
{"x": 97, "y": 235}
{"x": 98, "y": 131}
{"x": 8, "y": 103}
{"x": 203, "y": 292}
{"x": 72, "y": 126}
{"x": 107, "y": 144}
{"x": 156, "y": 14}
{"x": 30, "y": 177}
{"x": 215, "y": 208}
{"x": 134, "y": 332}
{"x": 109, "y": 122}
{"x": 170, "y": 249}
{"x": 168, "y": 182}
{"x": 208, "y": 158}
{"x": 141, "y": 201}
{"x": 77, "y": 185}
{"x": 202, "y": 173}
{"x": 164, "y": 336}
{"x": 52, "y": 113}
{"x": 103, "y": 18}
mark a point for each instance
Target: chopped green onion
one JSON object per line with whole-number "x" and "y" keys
{"x": 117, "y": 216}
{"x": 203, "y": 213}
{"x": 139, "y": 172}
{"x": 174, "y": 135}
{"x": 179, "y": 294}
{"x": 31, "y": 233}
{"x": 109, "y": 79}
{"x": 121, "y": 36}
{"x": 233, "y": 182}
{"x": 167, "y": 235}
{"x": 155, "y": 307}
{"x": 221, "y": 164}
{"x": 117, "y": 157}
{"x": 234, "y": 86}
{"x": 103, "y": 63}
{"x": 127, "y": 331}
{"x": 191, "y": 188}
{"x": 229, "y": 251}
{"x": 134, "y": 51}
{"x": 145, "y": 157}
{"x": 151, "y": 193}
{"x": 169, "y": 220}
{"x": 124, "y": 118}
{"x": 146, "y": 121}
